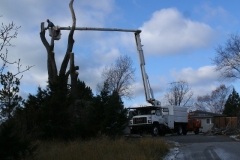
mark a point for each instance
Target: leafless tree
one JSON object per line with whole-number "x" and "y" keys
{"x": 120, "y": 76}
{"x": 179, "y": 93}
{"x": 69, "y": 56}
{"x": 227, "y": 59}
{"x": 7, "y": 33}
{"x": 214, "y": 102}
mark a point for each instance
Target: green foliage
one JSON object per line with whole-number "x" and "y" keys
{"x": 55, "y": 118}
{"x": 30, "y": 119}
{"x": 9, "y": 98}
{"x": 109, "y": 113}
{"x": 232, "y": 105}
{"x": 84, "y": 92}
{"x": 115, "y": 119}
{"x": 12, "y": 145}
{"x": 53, "y": 114}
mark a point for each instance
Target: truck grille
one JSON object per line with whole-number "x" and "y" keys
{"x": 140, "y": 120}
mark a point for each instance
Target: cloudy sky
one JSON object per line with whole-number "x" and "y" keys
{"x": 179, "y": 38}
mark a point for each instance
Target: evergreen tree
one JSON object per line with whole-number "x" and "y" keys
{"x": 115, "y": 119}
{"x": 29, "y": 119}
{"x": 83, "y": 92}
{"x": 9, "y": 98}
{"x": 110, "y": 114}
{"x": 54, "y": 112}
{"x": 232, "y": 105}
{"x": 81, "y": 112}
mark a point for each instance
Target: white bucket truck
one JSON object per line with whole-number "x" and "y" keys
{"x": 155, "y": 119}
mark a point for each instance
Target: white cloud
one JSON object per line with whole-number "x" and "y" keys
{"x": 169, "y": 32}
{"x": 202, "y": 81}
{"x": 203, "y": 75}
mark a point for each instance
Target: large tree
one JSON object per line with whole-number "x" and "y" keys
{"x": 120, "y": 76}
{"x": 215, "y": 101}
{"x": 63, "y": 75}
{"x": 179, "y": 93}
{"x": 11, "y": 144}
{"x": 232, "y": 105}
{"x": 227, "y": 59}
{"x": 9, "y": 81}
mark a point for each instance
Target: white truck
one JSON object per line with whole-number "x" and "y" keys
{"x": 158, "y": 120}
{"x": 155, "y": 119}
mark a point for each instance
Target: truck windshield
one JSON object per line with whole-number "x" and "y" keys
{"x": 148, "y": 112}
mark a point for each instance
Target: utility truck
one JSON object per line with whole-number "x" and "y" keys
{"x": 155, "y": 119}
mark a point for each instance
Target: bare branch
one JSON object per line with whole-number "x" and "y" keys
{"x": 120, "y": 76}
{"x": 227, "y": 59}
{"x": 179, "y": 93}
{"x": 214, "y": 102}
{"x": 7, "y": 33}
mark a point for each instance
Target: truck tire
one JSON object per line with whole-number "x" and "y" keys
{"x": 196, "y": 131}
{"x": 179, "y": 129}
{"x": 155, "y": 130}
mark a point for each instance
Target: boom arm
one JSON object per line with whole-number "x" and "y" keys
{"x": 147, "y": 88}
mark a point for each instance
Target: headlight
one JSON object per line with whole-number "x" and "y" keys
{"x": 149, "y": 121}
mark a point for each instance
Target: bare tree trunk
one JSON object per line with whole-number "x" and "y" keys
{"x": 51, "y": 64}
{"x": 74, "y": 75}
{"x": 70, "y": 41}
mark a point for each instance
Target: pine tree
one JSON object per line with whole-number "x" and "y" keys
{"x": 232, "y": 104}
{"x": 115, "y": 119}
{"x": 81, "y": 112}
{"x": 83, "y": 92}
{"x": 108, "y": 115}
{"x": 9, "y": 98}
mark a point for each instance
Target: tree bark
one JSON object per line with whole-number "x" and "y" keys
{"x": 74, "y": 75}
{"x": 51, "y": 64}
{"x": 70, "y": 41}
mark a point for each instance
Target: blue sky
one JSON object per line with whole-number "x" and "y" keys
{"x": 179, "y": 38}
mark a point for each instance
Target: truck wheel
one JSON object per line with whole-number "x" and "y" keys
{"x": 179, "y": 129}
{"x": 155, "y": 130}
{"x": 197, "y": 131}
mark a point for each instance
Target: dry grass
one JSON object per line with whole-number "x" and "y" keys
{"x": 102, "y": 149}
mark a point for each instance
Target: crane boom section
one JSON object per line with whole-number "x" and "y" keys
{"x": 147, "y": 88}
{"x": 100, "y": 29}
